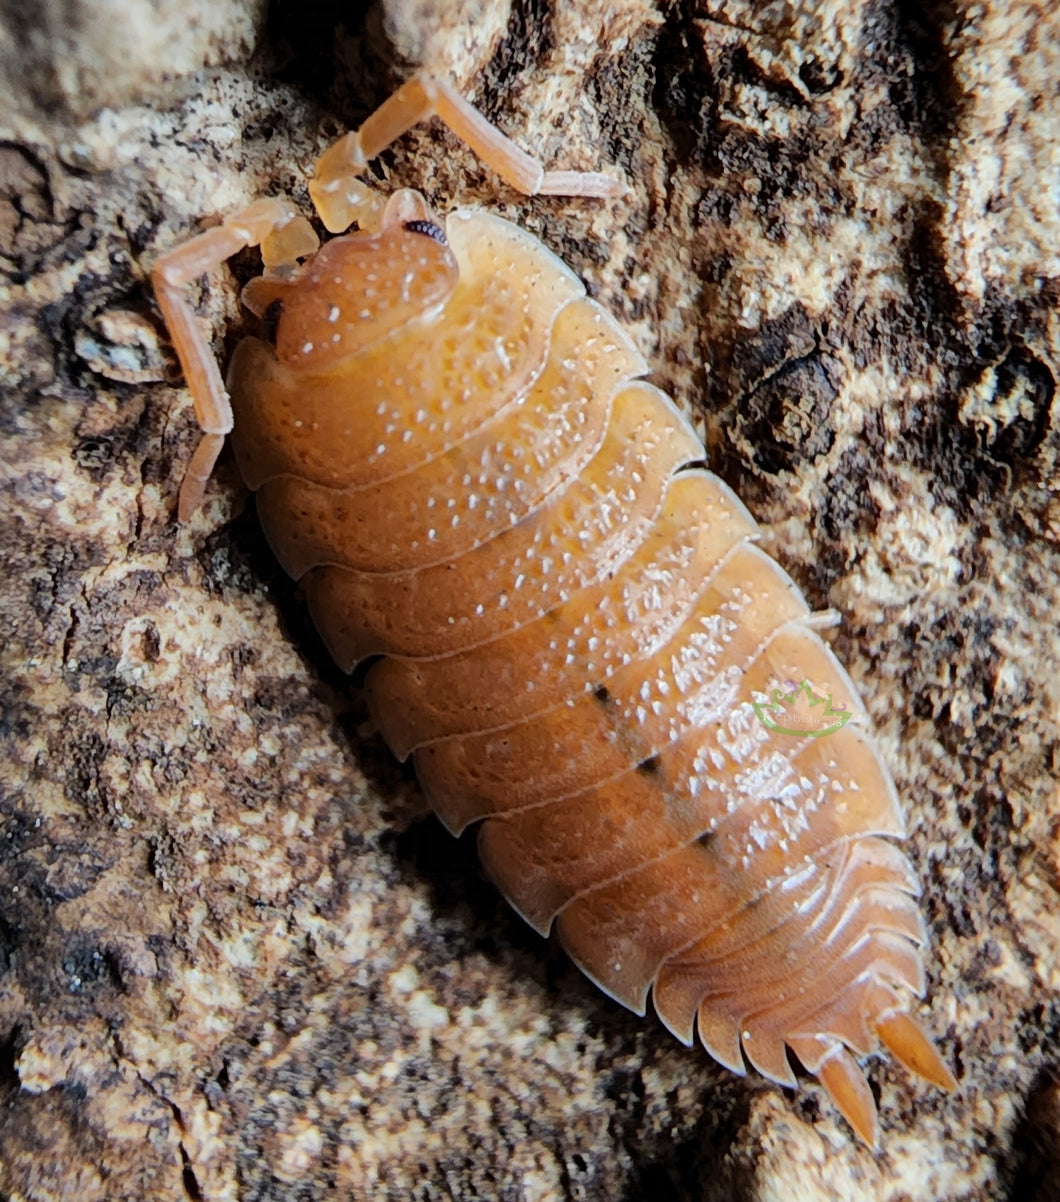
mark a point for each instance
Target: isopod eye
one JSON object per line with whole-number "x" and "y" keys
{"x": 430, "y": 228}
{"x": 270, "y": 320}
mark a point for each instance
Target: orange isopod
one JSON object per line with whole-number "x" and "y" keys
{"x": 583, "y": 648}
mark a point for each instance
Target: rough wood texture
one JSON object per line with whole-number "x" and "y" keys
{"x": 237, "y": 963}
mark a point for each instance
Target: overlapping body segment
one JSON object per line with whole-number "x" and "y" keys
{"x": 454, "y": 452}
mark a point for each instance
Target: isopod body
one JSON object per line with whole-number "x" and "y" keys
{"x": 453, "y": 451}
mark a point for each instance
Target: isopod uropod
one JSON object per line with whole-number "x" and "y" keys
{"x": 453, "y": 451}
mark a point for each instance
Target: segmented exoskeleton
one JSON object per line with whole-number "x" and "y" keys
{"x": 452, "y": 450}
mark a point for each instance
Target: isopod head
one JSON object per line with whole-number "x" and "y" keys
{"x": 356, "y": 290}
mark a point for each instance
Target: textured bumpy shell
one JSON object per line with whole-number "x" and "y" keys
{"x": 452, "y": 451}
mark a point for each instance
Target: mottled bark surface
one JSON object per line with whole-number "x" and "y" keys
{"x": 237, "y": 959}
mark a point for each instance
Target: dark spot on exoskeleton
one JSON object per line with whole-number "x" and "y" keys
{"x": 705, "y": 839}
{"x": 270, "y": 320}
{"x": 602, "y": 694}
{"x": 650, "y": 766}
{"x": 430, "y": 229}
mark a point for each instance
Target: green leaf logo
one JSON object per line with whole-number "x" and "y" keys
{"x": 801, "y": 712}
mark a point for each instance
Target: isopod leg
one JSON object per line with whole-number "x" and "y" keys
{"x": 339, "y": 196}
{"x": 283, "y": 236}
